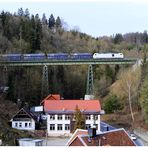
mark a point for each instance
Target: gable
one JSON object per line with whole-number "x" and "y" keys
{"x": 51, "y": 97}
{"x": 75, "y": 134}
{"x": 76, "y": 142}
{"x": 22, "y": 115}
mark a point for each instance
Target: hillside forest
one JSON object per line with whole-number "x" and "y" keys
{"x": 114, "y": 85}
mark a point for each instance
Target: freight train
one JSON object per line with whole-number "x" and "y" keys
{"x": 60, "y": 56}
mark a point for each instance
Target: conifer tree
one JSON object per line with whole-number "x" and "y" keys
{"x": 20, "y": 12}
{"x": 27, "y": 14}
{"x": 58, "y": 22}
{"x": 33, "y": 35}
{"x": 44, "y": 20}
{"x": 80, "y": 121}
{"x": 51, "y": 21}
{"x": 38, "y": 34}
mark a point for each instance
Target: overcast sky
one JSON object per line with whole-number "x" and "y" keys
{"x": 97, "y": 18}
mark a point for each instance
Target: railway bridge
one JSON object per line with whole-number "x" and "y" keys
{"x": 90, "y": 62}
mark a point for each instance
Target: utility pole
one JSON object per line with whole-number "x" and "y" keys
{"x": 90, "y": 82}
{"x": 45, "y": 86}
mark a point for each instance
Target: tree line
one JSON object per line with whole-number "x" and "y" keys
{"x": 23, "y": 32}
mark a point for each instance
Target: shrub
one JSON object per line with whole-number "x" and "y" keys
{"x": 112, "y": 104}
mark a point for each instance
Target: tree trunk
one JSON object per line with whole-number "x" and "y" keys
{"x": 129, "y": 99}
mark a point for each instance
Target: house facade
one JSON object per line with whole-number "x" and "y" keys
{"x": 60, "y": 115}
{"x": 23, "y": 120}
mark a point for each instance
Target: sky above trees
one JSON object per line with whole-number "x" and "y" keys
{"x": 97, "y": 18}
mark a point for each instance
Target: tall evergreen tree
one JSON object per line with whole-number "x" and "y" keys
{"x": 38, "y": 34}
{"x": 51, "y": 21}
{"x": 33, "y": 35}
{"x": 26, "y": 14}
{"x": 118, "y": 38}
{"x": 20, "y": 12}
{"x": 80, "y": 120}
{"x": 44, "y": 20}
{"x": 3, "y": 18}
{"x": 58, "y": 22}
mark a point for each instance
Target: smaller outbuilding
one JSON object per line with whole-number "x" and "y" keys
{"x": 30, "y": 142}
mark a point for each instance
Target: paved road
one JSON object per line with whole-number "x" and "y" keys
{"x": 55, "y": 141}
{"x": 142, "y": 135}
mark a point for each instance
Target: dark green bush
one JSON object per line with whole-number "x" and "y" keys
{"x": 112, "y": 104}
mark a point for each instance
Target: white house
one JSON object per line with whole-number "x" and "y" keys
{"x": 24, "y": 120}
{"x": 60, "y": 115}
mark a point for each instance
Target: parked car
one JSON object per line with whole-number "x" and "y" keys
{"x": 133, "y": 137}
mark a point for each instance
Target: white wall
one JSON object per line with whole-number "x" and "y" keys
{"x": 92, "y": 121}
{"x": 22, "y": 123}
{"x": 57, "y": 132}
{"x": 63, "y": 122}
{"x": 37, "y": 109}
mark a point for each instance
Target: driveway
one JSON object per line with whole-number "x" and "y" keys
{"x": 55, "y": 141}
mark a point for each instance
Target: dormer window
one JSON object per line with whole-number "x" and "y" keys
{"x": 67, "y": 117}
{"x": 52, "y": 117}
{"x": 87, "y": 117}
{"x": 59, "y": 117}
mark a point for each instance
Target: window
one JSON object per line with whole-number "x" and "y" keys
{"x": 67, "y": 117}
{"x": 87, "y": 117}
{"x": 96, "y": 117}
{"x": 20, "y": 124}
{"x": 87, "y": 126}
{"x": 15, "y": 124}
{"x": 26, "y": 124}
{"x": 67, "y": 127}
{"x": 59, "y": 117}
{"x": 52, "y": 127}
{"x": 59, "y": 127}
{"x": 29, "y": 124}
{"x": 52, "y": 117}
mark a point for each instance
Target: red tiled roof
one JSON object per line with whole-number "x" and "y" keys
{"x": 85, "y": 105}
{"x": 51, "y": 97}
{"x": 117, "y": 137}
{"x": 76, "y": 133}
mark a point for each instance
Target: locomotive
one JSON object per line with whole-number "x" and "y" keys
{"x": 60, "y": 56}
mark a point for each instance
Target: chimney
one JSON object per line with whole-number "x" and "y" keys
{"x": 107, "y": 128}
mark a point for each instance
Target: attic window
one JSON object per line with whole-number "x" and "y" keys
{"x": 87, "y": 117}
{"x": 52, "y": 117}
{"x": 96, "y": 117}
{"x": 59, "y": 117}
{"x": 67, "y": 117}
